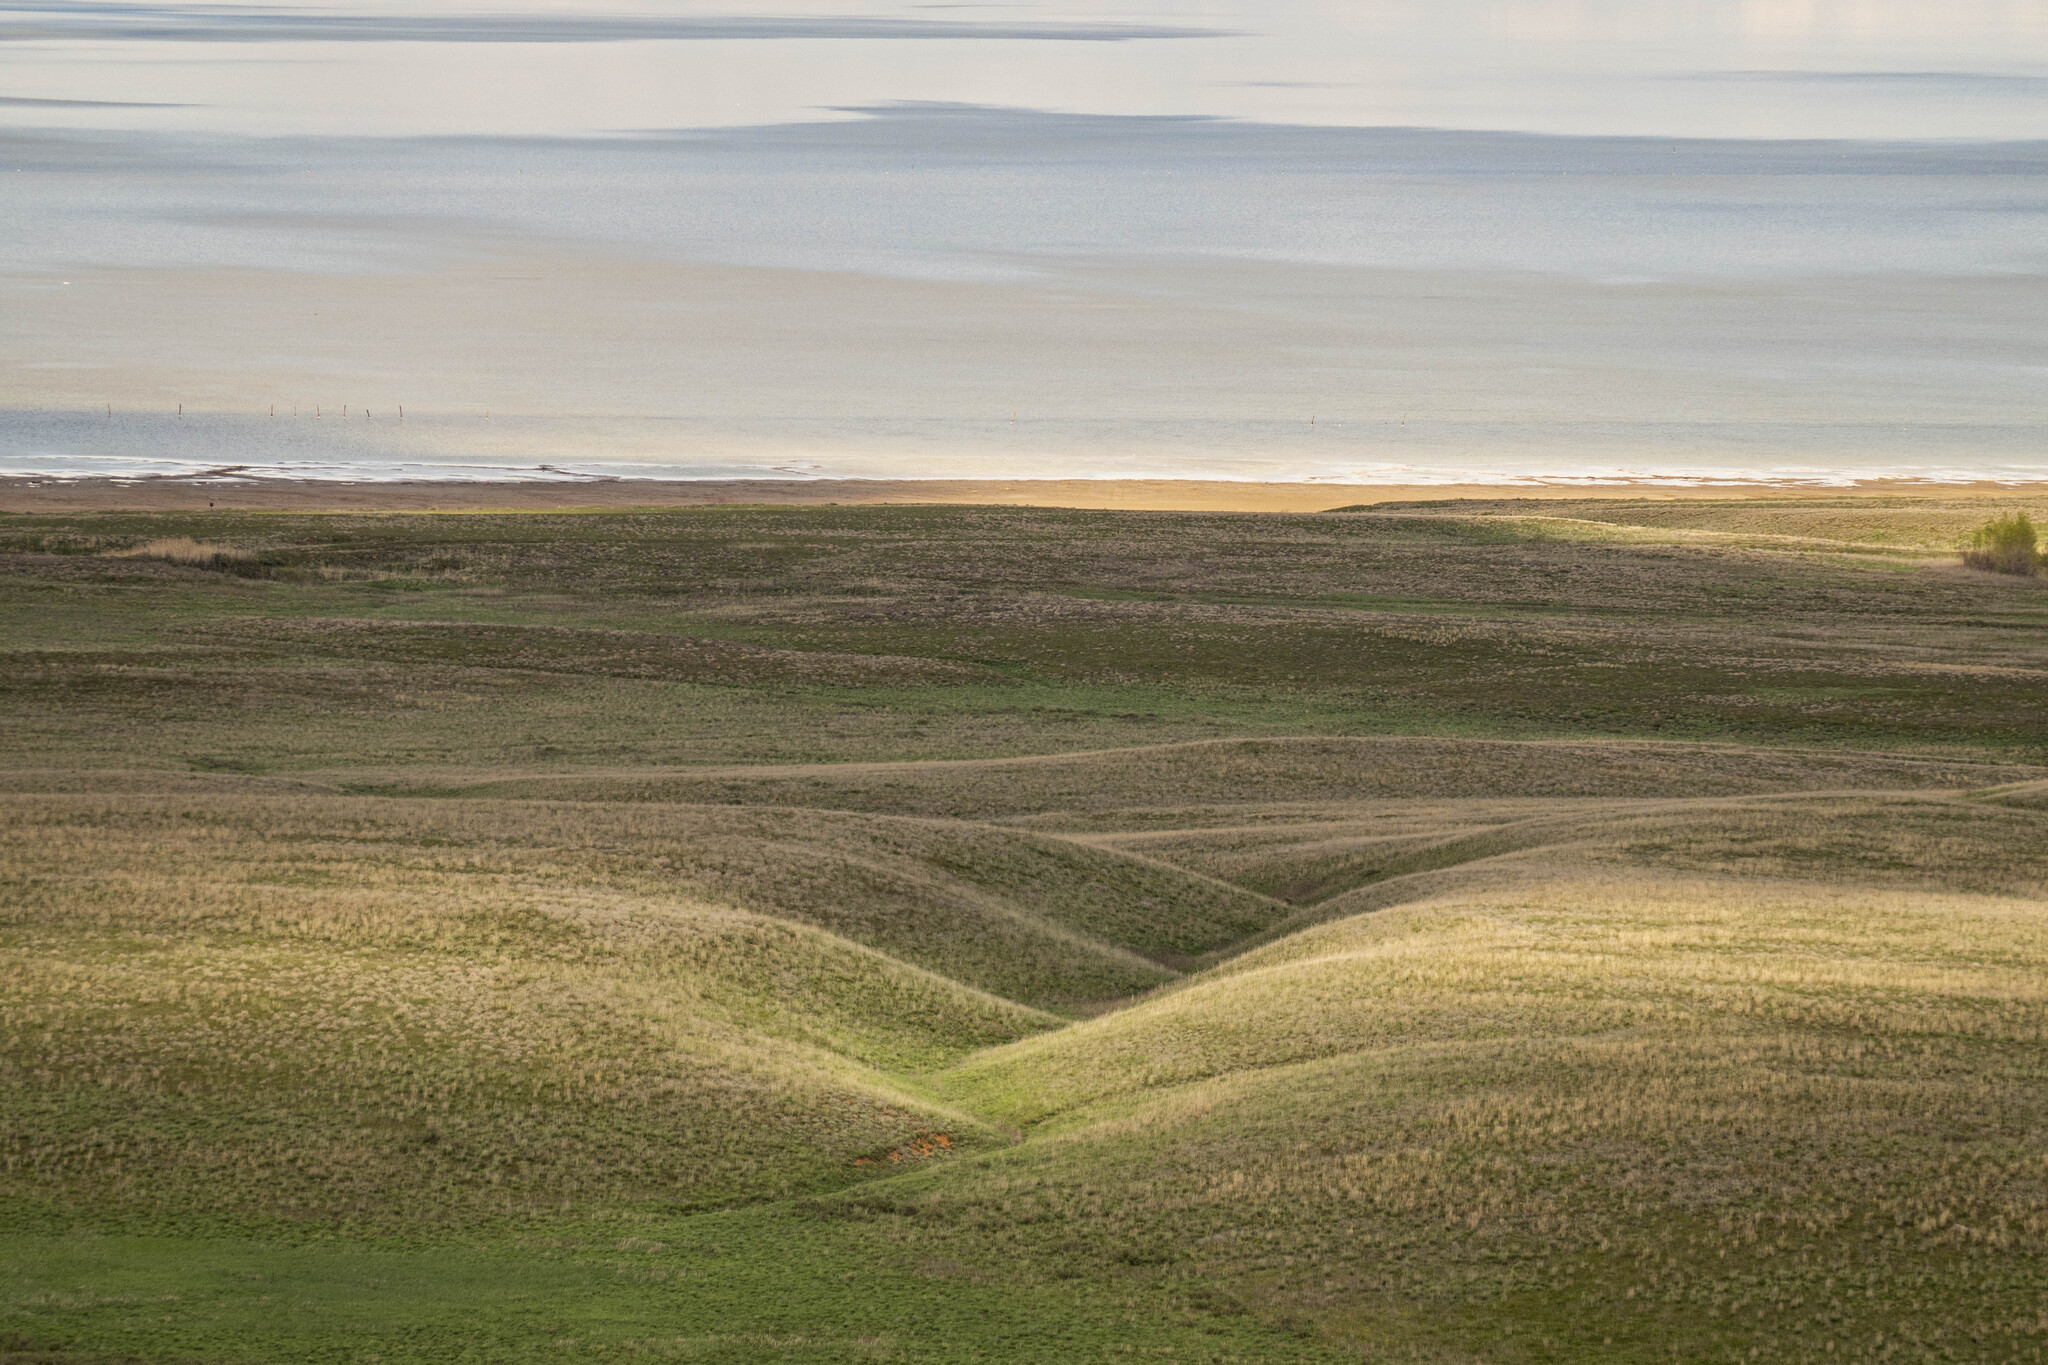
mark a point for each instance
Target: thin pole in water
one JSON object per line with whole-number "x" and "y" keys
{"x": 401, "y": 414}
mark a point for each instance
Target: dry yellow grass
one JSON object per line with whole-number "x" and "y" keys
{"x": 1851, "y": 522}
{"x": 183, "y": 550}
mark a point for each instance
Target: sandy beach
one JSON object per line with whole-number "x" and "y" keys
{"x": 1177, "y": 495}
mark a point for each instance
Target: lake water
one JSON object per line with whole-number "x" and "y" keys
{"x": 1761, "y": 239}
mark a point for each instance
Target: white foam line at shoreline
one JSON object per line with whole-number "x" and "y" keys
{"x": 59, "y": 467}
{"x": 1434, "y": 479}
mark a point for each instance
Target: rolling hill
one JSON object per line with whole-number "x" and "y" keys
{"x": 851, "y": 987}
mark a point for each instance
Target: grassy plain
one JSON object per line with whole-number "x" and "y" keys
{"x": 1482, "y": 931}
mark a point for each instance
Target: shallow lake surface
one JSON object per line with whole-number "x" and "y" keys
{"x": 1761, "y": 239}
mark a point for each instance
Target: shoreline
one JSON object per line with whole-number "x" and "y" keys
{"x": 29, "y": 494}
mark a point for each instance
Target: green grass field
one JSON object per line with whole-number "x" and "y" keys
{"x": 1439, "y": 932}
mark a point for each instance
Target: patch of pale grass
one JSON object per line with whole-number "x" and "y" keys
{"x": 184, "y": 550}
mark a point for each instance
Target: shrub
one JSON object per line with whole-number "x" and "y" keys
{"x": 2006, "y": 545}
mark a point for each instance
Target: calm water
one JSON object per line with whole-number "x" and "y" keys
{"x": 1761, "y": 239}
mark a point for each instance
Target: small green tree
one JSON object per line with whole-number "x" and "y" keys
{"x": 2007, "y": 545}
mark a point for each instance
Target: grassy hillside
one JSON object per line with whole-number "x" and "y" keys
{"x": 1567, "y": 1117}
{"x": 1032, "y": 918}
{"x": 1713, "y": 1082}
{"x": 217, "y": 1007}
{"x": 1604, "y": 932}
{"x": 1208, "y": 779}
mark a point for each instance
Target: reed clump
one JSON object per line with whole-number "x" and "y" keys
{"x": 2007, "y": 545}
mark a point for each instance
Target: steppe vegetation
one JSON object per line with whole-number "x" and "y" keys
{"x": 1489, "y": 931}
{"x": 2007, "y": 545}
{"x": 183, "y": 550}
